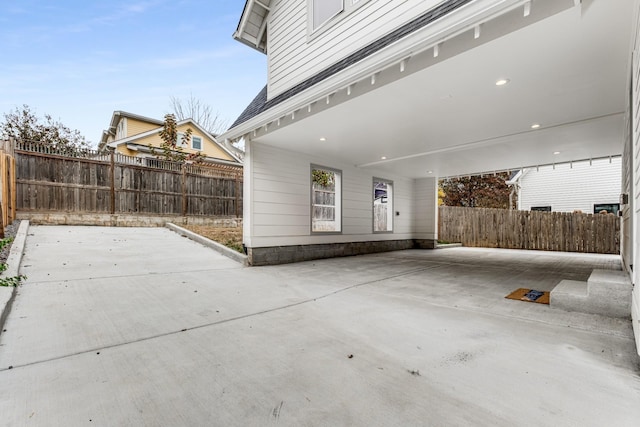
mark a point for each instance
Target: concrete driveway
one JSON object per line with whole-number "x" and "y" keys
{"x": 142, "y": 327}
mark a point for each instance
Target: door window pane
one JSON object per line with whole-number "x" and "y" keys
{"x": 382, "y": 206}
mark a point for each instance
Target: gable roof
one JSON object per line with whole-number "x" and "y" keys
{"x": 118, "y": 115}
{"x": 134, "y": 138}
{"x": 261, "y": 104}
{"x": 252, "y": 28}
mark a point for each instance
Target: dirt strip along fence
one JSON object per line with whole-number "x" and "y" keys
{"x": 85, "y": 181}
{"x": 7, "y": 184}
{"x": 513, "y": 229}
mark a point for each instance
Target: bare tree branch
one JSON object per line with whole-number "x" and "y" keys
{"x": 201, "y": 113}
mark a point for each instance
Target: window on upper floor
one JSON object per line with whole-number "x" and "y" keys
{"x": 196, "y": 143}
{"x": 120, "y": 131}
{"x": 326, "y": 200}
{"x": 180, "y": 142}
{"x": 323, "y": 11}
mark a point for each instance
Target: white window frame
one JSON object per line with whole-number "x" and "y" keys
{"x": 389, "y": 203}
{"x": 348, "y": 6}
{"x": 316, "y": 25}
{"x": 193, "y": 145}
{"x": 180, "y": 140}
{"x": 337, "y": 200}
{"x": 121, "y": 129}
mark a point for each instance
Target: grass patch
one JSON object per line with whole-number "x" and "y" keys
{"x": 230, "y": 237}
{"x": 8, "y": 281}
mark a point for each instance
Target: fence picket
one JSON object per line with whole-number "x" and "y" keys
{"x": 553, "y": 231}
{"x": 88, "y": 182}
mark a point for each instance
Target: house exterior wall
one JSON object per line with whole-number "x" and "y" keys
{"x": 426, "y": 209}
{"x": 572, "y": 187}
{"x": 209, "y": 147}
{"x": 297, "y": 53}
{"x": 278, "y": 206}
{"x": 122, "y": 149}
{"x": 136, "y": 127}
{"x": 631, "y": 179}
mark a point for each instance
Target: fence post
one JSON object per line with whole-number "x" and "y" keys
{"x": 184, "y": 190}
{"x": 112, "y": 178}
{"x": 5, "y": 190}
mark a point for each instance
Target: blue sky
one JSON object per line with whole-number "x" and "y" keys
{"x": 80, "y": 60}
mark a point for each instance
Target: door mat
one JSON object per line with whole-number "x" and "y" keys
{"x": 530, "y": 295}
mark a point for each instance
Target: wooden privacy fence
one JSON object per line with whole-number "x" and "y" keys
{"x": 512, "y": 229}
{"x": 85, "y": 181}
{"x": 7, "y": 184}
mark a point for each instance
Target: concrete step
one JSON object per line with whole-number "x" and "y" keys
{"x": 569, "y": 295}
{"x": 607, "y": 292}
{"x": 610, "y": 284}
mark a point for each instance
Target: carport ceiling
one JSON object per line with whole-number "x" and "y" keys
{"x": 567, "y": 72}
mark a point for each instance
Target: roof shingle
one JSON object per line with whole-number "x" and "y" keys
{"x": 261, "y": 104}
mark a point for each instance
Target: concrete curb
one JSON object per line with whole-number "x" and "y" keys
{"x": 448, "y": 245}
{"x": 7, "y": 295}
{"x": 222, "y": 249}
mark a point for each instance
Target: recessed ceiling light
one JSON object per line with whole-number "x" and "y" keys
{"x": 323, "y": 139}
{"x": 502, "y": 82}
{"x": 430, "y": 172}
{"x": 556, "y": 152}
{"x": 535, "y": 126}
{"x": 383, "y": 158}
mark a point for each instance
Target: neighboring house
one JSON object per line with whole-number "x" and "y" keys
{"x": 367, "y": 92}
{"x": 587, "y": 186}
{"x": 137, "y": 136}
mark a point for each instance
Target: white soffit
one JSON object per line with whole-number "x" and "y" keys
{"x": 567, "y": 72}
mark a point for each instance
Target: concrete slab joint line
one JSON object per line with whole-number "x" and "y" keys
{"x": 309, "y": 300}
{"x": 8, "y": 295}
{"x": 199, "y": 340}
{"x": 221, "y": 249}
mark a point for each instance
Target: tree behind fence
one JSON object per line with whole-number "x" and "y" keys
{"x": 89, "y": 182}
{"x": 512, "y": 229}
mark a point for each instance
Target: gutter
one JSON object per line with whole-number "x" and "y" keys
{"x": 465, "y": 19}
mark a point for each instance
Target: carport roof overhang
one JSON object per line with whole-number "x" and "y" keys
{"x": 413, "y": 114}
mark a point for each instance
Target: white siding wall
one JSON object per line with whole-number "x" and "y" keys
{"x": 566, "y": 189}
{"x": 635, "y": 176}
{"x": 426, "y": 199}
{"x": 278, "y": 196}
{"x": 294, "y": 54}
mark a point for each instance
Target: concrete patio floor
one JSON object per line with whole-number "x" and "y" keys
{"x": 133, "y": 326}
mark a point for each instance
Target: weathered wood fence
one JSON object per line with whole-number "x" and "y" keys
{"x": 85, "y": 181}
{"x": 7, "y": 184}
{"x": 512, "y": 229}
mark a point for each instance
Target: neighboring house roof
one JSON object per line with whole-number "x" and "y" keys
{"x": 260, "y": 103}
{"x": 131, "y": 140}
{"x": 515, "y": 176}
{"x": 115, "y": 119}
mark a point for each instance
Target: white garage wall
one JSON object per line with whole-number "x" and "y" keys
{"x": 277, "y": 201}
{"x": 567, "y": 188}
{"x": 426, "y": 199}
